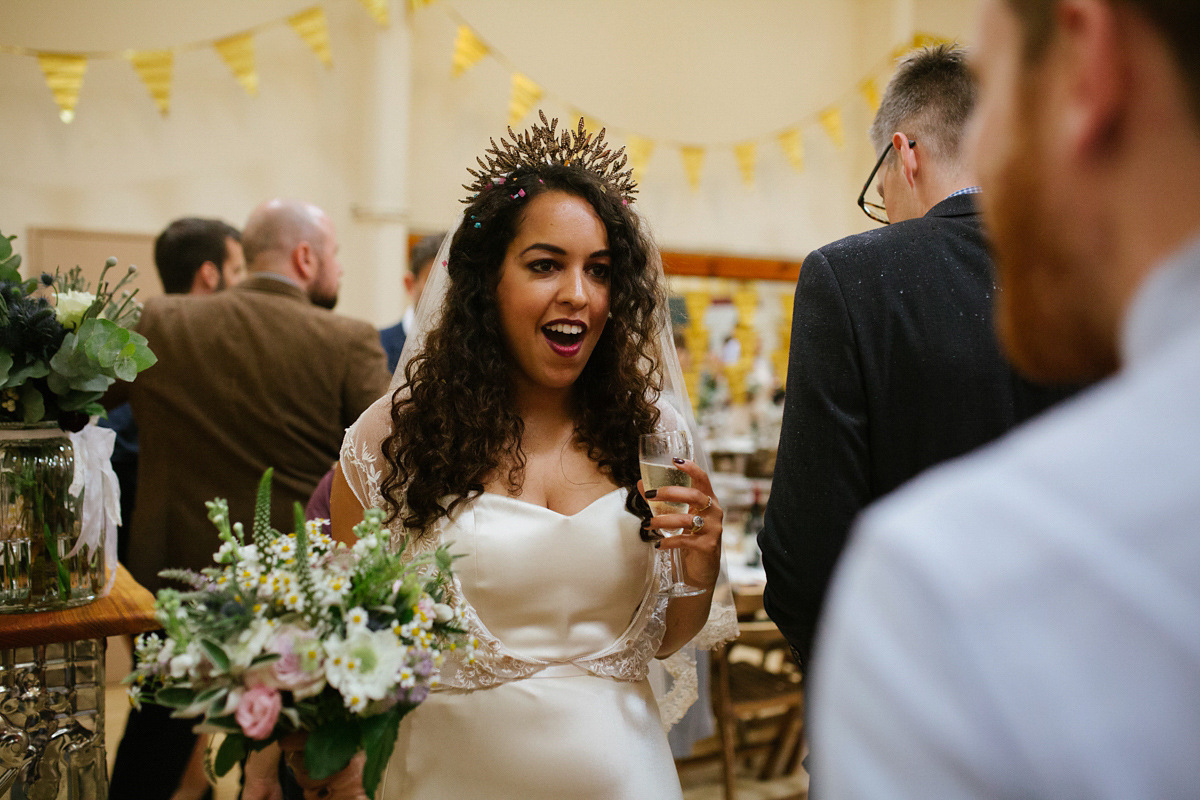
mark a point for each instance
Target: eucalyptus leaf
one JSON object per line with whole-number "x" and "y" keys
{"x": 32, "y": 404}
{"x": 6, "y": 362}
{"x": 125, "y": 368}
{"x": 175, "y": 697}
{"x": 216, "y": 654}
{"x": 93, "y": 383}
{"x": 78, "y": 401}
{"x": 231, "y": 752}
{"x": 378, "y": 739}
{"x": 330, "y": 747}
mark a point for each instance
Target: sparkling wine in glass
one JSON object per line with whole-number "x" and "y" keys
{"x": 656, "y": 454}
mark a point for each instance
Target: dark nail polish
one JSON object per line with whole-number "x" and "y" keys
{"x": 646, "y": 525}
{"x": 679, "y": 460}
{"x": 658, "y": 545}
{"x": 651, "y": 493}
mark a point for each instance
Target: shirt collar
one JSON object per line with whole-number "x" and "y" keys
{"x": 1167, "y": 305}
{"x": 275, "y": 276}
{"x": 964, "y": 190}
{"x": 409, "y": 320}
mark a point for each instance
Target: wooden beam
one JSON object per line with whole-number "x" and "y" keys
{"x": 710, "y": 265}
{"x": 717, "y": 266}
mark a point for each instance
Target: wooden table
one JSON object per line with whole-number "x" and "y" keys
{"x": 128, "y": 608}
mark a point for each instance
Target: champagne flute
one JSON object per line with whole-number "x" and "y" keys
{"x": 656, "y": 452}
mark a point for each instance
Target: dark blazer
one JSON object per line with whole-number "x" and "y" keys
{"x": 393, "y": 339}
{"x": 894, "y": 367}
{"x": 249, "y": 378}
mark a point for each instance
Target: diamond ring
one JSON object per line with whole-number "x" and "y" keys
{"x": 697, "y": 523}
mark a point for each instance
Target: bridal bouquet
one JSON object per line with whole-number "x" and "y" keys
{"x": 296, "y": 632}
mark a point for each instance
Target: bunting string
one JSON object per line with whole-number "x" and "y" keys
{"x": 64, "y": 72}
{"x": 470, "y": 49}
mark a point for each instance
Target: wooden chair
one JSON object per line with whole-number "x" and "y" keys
{"x": 758, "y": 702}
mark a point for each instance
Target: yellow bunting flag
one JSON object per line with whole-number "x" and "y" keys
{"x": 869, "y": 89}
{"x": 468, "y": 49}
{"x": 413, "y": 5}
{"x": 154, "y": 68}
{"x": 831, "y": 121}
{"x": 238, "y": 52}
{"x": 525, "y": 94}
{"x": 747, "y": 156}
{"x": 693, "y": 163}
{"x": 928, "y": 40}
{"x": 919, "y": 40}
{"x": 639, "y": 150}
{"x": 378, "y": 9}
{"x": 64, "y": 76}
{"x": 793, "y": 148}
{"x": 313, "y": 28}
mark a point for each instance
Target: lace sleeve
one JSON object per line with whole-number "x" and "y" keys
{"x": 362, "y": 458}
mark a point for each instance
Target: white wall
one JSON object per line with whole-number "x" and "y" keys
{"x": 388, "y": 130}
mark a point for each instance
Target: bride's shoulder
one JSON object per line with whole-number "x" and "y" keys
{"x": 373, "y": 425}
{"x": 362, "y": 449}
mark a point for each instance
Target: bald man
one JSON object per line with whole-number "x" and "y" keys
{"x": 262, "y": 375}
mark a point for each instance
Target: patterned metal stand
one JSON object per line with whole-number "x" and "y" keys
{"x": 52, "y": 722}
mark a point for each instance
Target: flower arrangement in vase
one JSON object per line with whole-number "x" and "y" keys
{"x": 62, "y": 346}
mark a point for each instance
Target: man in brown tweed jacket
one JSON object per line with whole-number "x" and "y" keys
{"x": 261, "y": 375}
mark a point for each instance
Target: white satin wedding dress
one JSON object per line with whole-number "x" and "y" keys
{"x": 557, "y": 705}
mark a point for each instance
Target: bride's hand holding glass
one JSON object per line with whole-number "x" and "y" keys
{"x": 700, "y": 542}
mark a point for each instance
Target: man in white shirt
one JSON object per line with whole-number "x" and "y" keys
{"x": 1025, "y": 622}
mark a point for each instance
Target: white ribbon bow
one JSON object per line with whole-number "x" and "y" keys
{"x": 100, "y": 511}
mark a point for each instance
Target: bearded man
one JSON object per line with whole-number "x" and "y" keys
{"x": 260, "y": 375}
{"x": 1022, "y": 623}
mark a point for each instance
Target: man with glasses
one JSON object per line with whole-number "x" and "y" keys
{"x": 894, "y": 365}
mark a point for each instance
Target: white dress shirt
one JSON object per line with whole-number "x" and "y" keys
{"x": 1025, "y": 622}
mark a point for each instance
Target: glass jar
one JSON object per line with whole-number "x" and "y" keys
{"x": 40, "y": 524}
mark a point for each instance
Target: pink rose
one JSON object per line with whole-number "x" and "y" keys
{"x": 298, "y": 668}
{"x": 257, "y": 711}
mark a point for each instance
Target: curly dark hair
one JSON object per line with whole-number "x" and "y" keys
{"x": 455, "y": 423}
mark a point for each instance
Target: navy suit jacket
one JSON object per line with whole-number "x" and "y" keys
{"x": 894, "y": 367}
{"x": 392, "y": 340}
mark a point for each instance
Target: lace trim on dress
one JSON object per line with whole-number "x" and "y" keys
{"x": 627, "y": 659}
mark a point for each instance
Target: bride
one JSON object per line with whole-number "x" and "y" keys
{"x": 513, "y": 434}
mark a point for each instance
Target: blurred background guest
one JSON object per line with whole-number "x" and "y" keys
{"x": 259, "y": 376}
{"x": 420, "y": 257}
{"x": 193, "y": 256}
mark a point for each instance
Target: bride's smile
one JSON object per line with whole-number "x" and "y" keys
{"x": 553, "y": 294}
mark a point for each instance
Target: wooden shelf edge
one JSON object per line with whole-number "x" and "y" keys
{"x": 128, "y": 608}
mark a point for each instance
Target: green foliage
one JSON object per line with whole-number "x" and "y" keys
{"x": 378, "y": 738}
{"x": 330, "y": 747}
{"x": 216, "y": 654}
{"x": 175, "y": 697}
{"x": 92, "y": 358}
{"x": 304, "y": 572}
{"x": 10, "y": 264}
{"x": 232, "y": 751}
{"x": 262, "y": 509}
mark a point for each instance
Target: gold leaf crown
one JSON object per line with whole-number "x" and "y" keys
{"x": 541, "y": 145}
